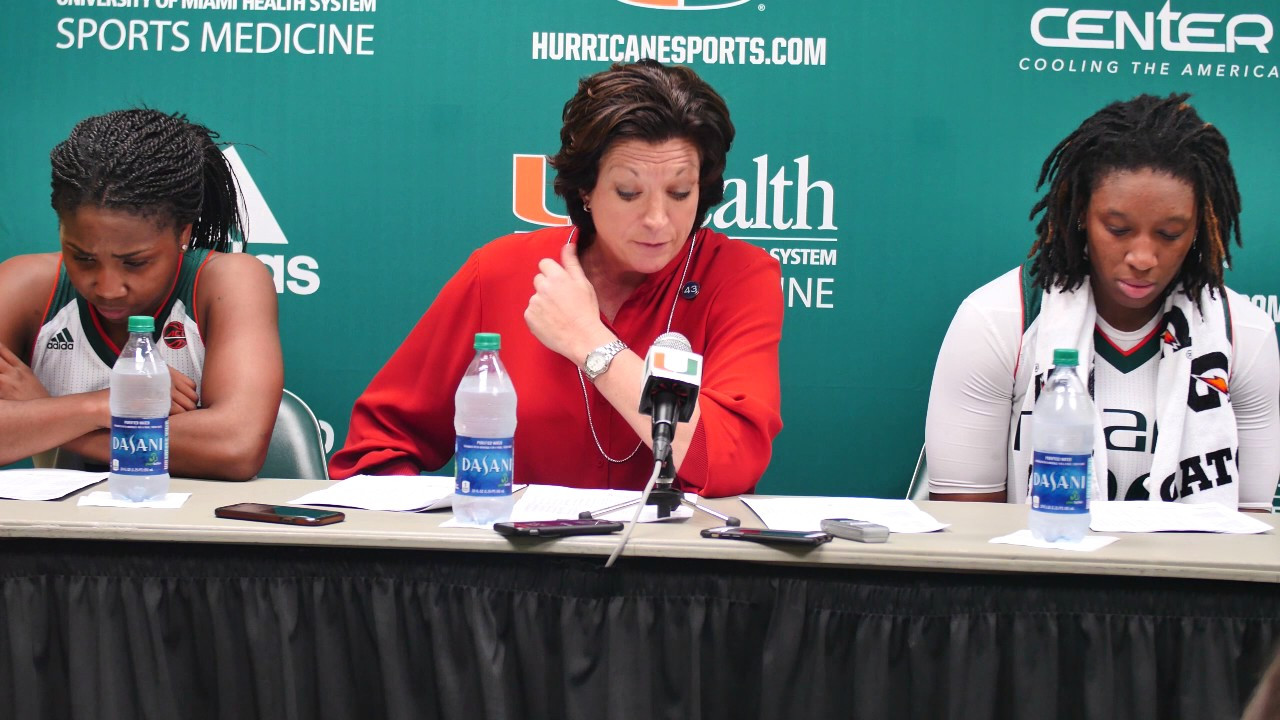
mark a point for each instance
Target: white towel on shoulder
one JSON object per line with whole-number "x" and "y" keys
{"x": 1194, "y": 456}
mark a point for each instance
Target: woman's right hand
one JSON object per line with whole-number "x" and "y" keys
{"x": 564, "y": 314}
{"x": 183, "y": 395}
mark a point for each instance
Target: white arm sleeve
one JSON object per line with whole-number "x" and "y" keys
{"x": 967, "y": 428}
{"x": 1255, "y": 399}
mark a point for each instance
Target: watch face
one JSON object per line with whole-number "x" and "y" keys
{"x": 595, "y": 363}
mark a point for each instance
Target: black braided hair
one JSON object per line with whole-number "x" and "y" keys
{"x": 151, "y": 164}
{"x": 1147, "y": 132}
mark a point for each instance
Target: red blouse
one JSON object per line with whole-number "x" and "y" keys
{"x": 403, "y": 423}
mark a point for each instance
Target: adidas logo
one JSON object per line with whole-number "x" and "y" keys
{"x": 61, "y": 341}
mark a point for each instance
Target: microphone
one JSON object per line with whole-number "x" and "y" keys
{"x": 672, "y": 377}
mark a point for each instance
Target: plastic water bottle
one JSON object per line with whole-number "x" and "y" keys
{"x": 485, "y": 422}
{"x": 139, "y": 401}
{"x": 1062, "y": 454}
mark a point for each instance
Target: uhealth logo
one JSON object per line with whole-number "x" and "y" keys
{"x": 528, "y": 191}
{"x": 781, "y": 202}
{"x": 777, "y": 198}
{"x": 683, "y": 4}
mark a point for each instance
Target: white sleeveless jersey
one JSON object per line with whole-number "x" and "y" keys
{"x": 72, "y": 354}
{"x": 1122, "y": 381}
{"x": 1126, "y": 367}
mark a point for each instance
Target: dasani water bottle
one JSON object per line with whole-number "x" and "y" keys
{"x": 139, "y": 400}
{"x": 485, "y": 422}
{"x": 1062, "y": 454}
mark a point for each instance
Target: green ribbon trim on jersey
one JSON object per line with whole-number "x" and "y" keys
{"x": 1136, "y": 358}
{"x": 1032, "y": 296}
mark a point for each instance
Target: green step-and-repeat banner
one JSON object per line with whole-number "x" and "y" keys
{"x": 886, "y": 155}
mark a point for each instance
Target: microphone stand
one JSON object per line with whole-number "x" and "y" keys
{"x": 665, "y": 497}
{"x": 668, "y": 406}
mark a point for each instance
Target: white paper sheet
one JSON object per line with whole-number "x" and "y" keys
{"x": 1088, "y": 543}
{"x": 102, "y": 498}
{"x": 807, "y": 513}
{"x": 45, "y": 483}
{"x": 401, "y": 493}
{"x": 1142, "y": 517}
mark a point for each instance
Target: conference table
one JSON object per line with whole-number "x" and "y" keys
{"x": 173, "y": 613}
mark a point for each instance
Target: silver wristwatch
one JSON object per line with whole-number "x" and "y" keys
{"x": 598, "y": 360}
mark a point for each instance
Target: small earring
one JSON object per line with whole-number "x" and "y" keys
{"x": 586, "y": 206}
{"x": 184, "y": 248}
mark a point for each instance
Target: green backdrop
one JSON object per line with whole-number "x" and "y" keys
{"x": 886, "y": 151}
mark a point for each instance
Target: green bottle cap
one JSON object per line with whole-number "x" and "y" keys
{"x": 1066, "y": 357}
{"x": 488, "y": 341}
{"x": 142, "y": 323}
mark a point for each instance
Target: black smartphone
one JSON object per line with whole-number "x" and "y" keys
{"x": 558, "y": 528}
{"x": 765, "y": 535}
{"x": 261, "y": 512}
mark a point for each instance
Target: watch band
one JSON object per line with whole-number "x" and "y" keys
{"x": 598, "y": 360}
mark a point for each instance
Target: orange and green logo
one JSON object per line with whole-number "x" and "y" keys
{"x": 1217, "y": 382}
{"x": 690, "y": 368}
{"x": 529, "y": 191}
{"x": 684, "y": 4}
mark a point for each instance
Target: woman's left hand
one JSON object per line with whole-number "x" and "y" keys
{"x": 17, "y": 382}
{"x": 563, "y": 313}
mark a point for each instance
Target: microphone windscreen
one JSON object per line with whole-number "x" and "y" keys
{"x": 673, "y": 340}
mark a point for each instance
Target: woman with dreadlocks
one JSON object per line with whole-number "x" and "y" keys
{"x": 1135, "y": 230}
{"x": 147, "y": 211}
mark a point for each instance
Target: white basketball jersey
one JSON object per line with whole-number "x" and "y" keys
{"x": 1125, "y": 368}
{"x": 72, "y": 354}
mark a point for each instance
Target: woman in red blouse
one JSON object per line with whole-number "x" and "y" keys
{"x": 641, "y": 161}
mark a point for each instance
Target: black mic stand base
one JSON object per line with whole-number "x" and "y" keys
{"x": 666, "y": 498}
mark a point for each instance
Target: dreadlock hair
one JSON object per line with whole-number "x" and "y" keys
{"x": 644, "y": 101}
{"x": 153, "y": 165}
{"x": 1147, "y": 132}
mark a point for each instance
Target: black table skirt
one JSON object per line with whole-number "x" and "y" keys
{"x": 171, "y": 630}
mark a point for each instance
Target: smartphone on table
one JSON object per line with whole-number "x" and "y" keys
{"x": 262, "y": 512}
{"x": 856, "y": 530}
{"x": 558, "y": 528}
{"x": 765, "y": 535}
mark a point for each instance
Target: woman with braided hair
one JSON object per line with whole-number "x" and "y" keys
{"x": 1127, "y": 267}
{"x": 147, "y": 214}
